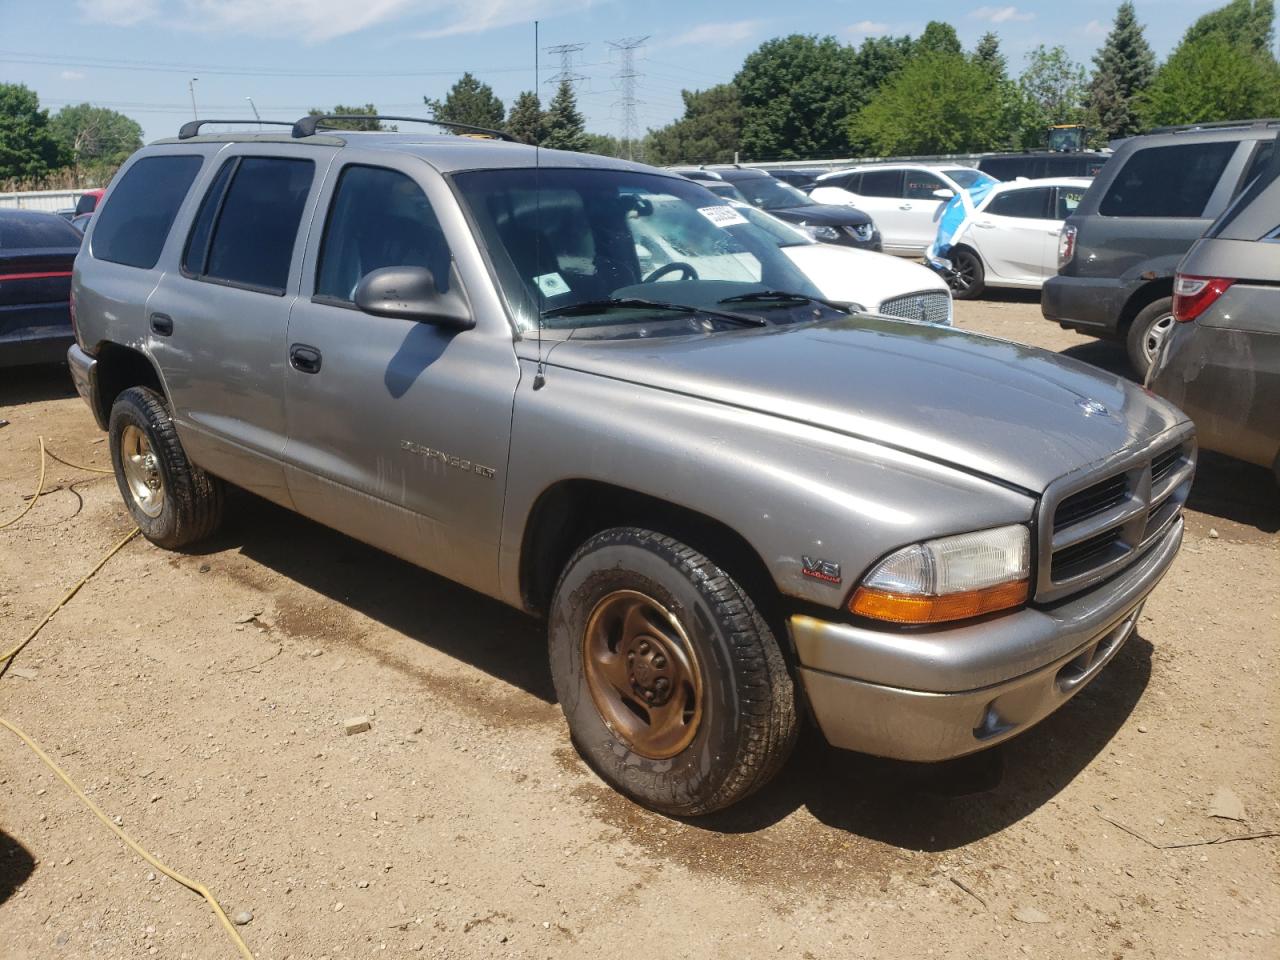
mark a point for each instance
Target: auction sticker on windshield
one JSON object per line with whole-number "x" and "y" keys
{"x": 551, "y": 284}
{"x": 722, "y": 215}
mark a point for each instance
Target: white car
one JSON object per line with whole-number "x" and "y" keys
{"x": 1010, "y": 239}
{"x": 876, "y": 282}
{"x": 904, "y": 199}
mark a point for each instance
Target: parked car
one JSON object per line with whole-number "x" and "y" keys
{"x": 713, "y": 182}
{"x": 36, "y": 254}
{"x": 1010, "y": 236}
{"x": 904, "y": 199}
{"x": 1039, "y": 165}
{"x": 1120, "y": 249}
{"x": 862, "y": 279}
{"x": 801, "y": 179}
{"x": 1221, "y": 360}
{"x": 81, "y": 221}
{"x": 88, "y": 201}
{"x": 717, "y": 491}
{"x": 830, "y": 224}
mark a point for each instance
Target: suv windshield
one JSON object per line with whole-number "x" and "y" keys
{"x": 561, "y": 239}
{"x": 770, "y": 194}
{"x": 968, "y": 176}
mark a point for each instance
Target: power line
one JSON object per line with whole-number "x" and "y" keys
{"x": 566, "y": 52}
{"x": 626, "y": 77}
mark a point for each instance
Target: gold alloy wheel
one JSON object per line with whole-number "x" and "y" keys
{"x": 141, "y": 471}
{"x": 643, "y": 674}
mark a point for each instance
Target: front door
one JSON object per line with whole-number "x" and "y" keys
{"x": 398, "y": 430}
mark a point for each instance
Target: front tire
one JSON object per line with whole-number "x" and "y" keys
{"x": 1147, "y": 334}
{"x": 968, "y": 279}
{"x": 673, "y": 685}
{"x": 173, "y": 502}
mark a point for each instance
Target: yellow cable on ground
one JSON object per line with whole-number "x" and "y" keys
{"x": 68, "y": 595}
{"x": 48, "y": 761}
{"x": 199, "y": 888}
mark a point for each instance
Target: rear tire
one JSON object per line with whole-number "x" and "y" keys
{"x": 1147, "y": 333}
{"x": 674, "y": 688}
{"x": 173, "y": 501}
{"x": 968, "y": 279}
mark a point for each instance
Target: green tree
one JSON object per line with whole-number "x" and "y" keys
{"x": 939, "y": 102}
{"x": 341, "y": 109}
{"x": 96, "y": 139}
{"x": 564, "y": 129}
{"x": 1122, "y": 69}
{"x": 938, "y": 38}
{"x": 525, "y": 120}
{"x": 987, "y": 53}
{"x": 707, "y": 133}
{"x": 469, "y": 101}
{"x": 1053, "y": 90}
{"x": 876, "y": 60}
{"x": 797, "y": 95}
{"x": 1212, "y": 78}
{"x": 28, "y": 148}
{"x": 604, "y": 144}
{"x": 1247, "y": 22}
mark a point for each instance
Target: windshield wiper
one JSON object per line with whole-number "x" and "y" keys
{"x": 612, "y": 303}
{"x": 781, "y": 296}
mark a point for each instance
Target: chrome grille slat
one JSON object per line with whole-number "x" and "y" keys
{"x": 925, "y": 306}
{"x": 1092, "y": 526}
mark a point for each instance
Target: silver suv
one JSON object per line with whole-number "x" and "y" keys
{"x": 733, "y": 503}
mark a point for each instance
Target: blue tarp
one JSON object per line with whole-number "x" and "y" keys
{"x": 955, "y": 217}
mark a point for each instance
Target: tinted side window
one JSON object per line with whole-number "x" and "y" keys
{"x": 1173, "y": 181}
{"x": 379, "y": 218}
{"x": 255, "y": 225}
{"x": 881, "y": 183}
{"x": 86, "y": 203}
{"x": 132, "y": 227}
{"x": 1028, "y": 204}
{"x": 1261, "y": 157}
{"x": 920, "y": 184}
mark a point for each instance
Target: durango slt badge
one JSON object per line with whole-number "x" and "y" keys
{"x": 448, "y": 459}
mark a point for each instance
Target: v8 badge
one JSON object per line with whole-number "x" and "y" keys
{"x": 820, "y": 569}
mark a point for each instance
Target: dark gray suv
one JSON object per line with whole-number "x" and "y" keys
{"x": 1119, "y": 251}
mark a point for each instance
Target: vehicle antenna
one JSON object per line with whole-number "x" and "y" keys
{"x": 539, "y": 376}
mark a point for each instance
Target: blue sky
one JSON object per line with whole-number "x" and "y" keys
{"x": 137, "y": 56}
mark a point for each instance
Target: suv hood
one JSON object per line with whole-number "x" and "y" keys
{"x": 984, "y": 405}
{"x": 822, "y": 215}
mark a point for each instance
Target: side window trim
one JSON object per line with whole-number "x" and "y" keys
{"x": 1228, "y": 183}
{"x": 223, "y": 186}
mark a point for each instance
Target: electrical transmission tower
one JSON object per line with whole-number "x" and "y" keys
{"x": 566, "y": 52}
{"x": 626, "y": 77}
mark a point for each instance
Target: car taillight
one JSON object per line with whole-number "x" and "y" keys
{"x": 1066, "y": 246}
{"x": 1192, "y": 296}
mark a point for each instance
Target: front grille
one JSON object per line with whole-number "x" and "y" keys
{"x": 926, "y": 306}
{"x": 1092, "y": 527}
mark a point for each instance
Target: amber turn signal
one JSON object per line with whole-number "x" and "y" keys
{"x": 905, "y": 608}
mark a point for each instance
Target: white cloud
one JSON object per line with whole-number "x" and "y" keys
{"x": 868, "y": 28}
{"x": 320, "y": 20}
{"x": 71, "y": 75}
{"x": 717, "y": 34}
{"x": 121, "y": 13}
{"x": 1001, "y": 14}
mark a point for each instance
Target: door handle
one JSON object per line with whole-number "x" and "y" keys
{"x": 984, "y": 224}
{"x": 304, "y": 359}
{"x": 906, "y": 206}
{"x": 162, "y": 324}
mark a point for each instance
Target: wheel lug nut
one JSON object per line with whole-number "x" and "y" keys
{"x": 659, "y": 661}
{"x": 662, "y": 683}
{"x": 648, "y": 694}
{"x": 644, "y": 647}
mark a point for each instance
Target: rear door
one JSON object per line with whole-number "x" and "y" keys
{"x": 217, "y": 324}
{"x": 880, "y": 197}
{"x": 1011, "y": 234}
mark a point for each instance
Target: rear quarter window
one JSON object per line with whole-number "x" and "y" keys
{"x": 135, "y": 222}
{"x": 1171, "y": 181}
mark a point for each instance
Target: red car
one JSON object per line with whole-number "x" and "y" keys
{"x": 89, "y": 201}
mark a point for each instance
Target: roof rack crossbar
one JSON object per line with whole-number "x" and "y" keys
{"x": 308, "y": 125}
{"x": 192, "y": 127}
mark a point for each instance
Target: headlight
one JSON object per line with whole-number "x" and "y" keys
{"x": 862, "y": 232}
{"x": 820, "y": 233}
{"x": 951, "y": 578}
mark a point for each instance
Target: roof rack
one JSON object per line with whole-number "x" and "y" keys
{"x": 1218, "y": 125}
{"x": 192, "y": 127}
{"x": 308, "y": 125}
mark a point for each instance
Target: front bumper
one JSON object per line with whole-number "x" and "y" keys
{"x": 929, "y": 696}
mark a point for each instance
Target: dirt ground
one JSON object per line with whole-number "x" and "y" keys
{"x": 200, "y": 698}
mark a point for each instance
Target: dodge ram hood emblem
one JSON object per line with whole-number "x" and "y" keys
{"x": 1092, "y": 408}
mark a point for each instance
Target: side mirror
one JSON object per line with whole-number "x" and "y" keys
{"x": 410, "y": 293}
{"x": 944, "y": 193}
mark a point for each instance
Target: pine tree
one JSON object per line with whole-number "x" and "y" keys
{"x": 564, "y": 128}
{"x": 469, "y": 101}
{"x": 987, "y": 53}
{"x": 1123, "y": 68}
{"x": 1247, "y": 22}
{"x": 526, "y": 119}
